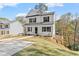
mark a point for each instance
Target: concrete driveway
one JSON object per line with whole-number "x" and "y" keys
{"x": 8, "y": 48}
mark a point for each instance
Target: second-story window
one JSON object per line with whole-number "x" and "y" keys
{"x": 6, "y": 26}
{"x": 45, "y": 19}
{"x": 1, "y": 26}
{"x": 32, "y": 20}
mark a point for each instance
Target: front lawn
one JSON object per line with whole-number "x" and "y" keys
{"x": 44, "y": 46}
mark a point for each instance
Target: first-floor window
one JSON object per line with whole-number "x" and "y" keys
{"x": 43, "y": 29}
{"x": 2, "y": 32}
{"x": 29, "y": 29}
{"x": 46, "y": 29}
{"x": 7, "y": 32}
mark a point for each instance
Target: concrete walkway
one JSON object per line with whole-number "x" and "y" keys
{"x": 8, "y": 48}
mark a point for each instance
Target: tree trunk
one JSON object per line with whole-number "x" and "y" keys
{"x": 75, "y": 34}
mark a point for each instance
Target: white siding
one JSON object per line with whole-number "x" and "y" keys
{"x": 39, "y": 22}
{"x": 16, "y": 28}
{"x": 39, "y": 18}
{"x": 40, "y": 30}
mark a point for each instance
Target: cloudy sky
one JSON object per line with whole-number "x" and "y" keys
{"x": 11, "y": 10}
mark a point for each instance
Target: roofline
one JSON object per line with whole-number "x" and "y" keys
{"x": 50, "y": 13}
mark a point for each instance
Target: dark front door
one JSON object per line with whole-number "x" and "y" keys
{"x": 36, "y": 30}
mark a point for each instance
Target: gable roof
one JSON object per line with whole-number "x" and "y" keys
{"x": 34, "y": 12}
{"x": 37, "y": 12}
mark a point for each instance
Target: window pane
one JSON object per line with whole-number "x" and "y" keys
{"x": 32, "y": 20}
{"x": 2, "y": 33}
{"x": 43, "y": 29}
{"x": 0, "y": 26}
{"x": 48, "y": 29}
{"x": 6, "y": 26}
{"x": 29, "y": 28}
{"x": 7, "y": 32}
{"x": 46, "y": 19}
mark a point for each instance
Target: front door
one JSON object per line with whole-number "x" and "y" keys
{"x": 36, "y": 30}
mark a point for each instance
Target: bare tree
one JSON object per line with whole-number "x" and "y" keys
{"x": 75, "y": 31}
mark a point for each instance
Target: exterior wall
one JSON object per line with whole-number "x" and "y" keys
{"x": 39, "y": 19}
{"x": 4, "y": 30}
{"x": 16, "y": 28}
{"x": 40, "y": 30}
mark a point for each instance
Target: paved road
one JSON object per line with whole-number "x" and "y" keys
{"x": 8, "y": 48}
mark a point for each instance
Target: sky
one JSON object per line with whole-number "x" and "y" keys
{"x": 11, "y": 10}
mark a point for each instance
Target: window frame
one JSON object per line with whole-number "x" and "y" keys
{"x": 46, "y": 29}
{"x": 29, "y": 29}
{"x": 6, "y": 26}
{"x": 46, "y": 19}
{"x": 32, "y": 20}
{"x": 2, "y": 32}
{"x": 7, "y": 32}
{"x": 1, "y": 26}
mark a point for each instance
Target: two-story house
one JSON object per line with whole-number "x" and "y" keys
{"x": 40, "y": 22}
{"x": 4, "y": 26}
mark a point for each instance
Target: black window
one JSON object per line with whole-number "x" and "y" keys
{"x": 32, "y": 20}
{"x": 46, "y": 29}
{"x": 7, "y": 32}
{"x": 1, "y": 26}
{"x": 43, "y": 29}
{"x": 29, "y": 28}
{"x": 45, "y": 19}
{"x": 2, "y": 32}
{"x": 6, "y": 26}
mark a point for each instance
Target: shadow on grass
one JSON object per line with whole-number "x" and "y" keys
{"x": 65, "y": 51}
{"x": 35, "y": 51}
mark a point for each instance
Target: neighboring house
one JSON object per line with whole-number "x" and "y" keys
{"x": 16, "y": 28}
{"x": 4, "y": 26}
{"x": 40, "y": 22}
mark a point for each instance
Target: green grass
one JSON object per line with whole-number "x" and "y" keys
{"x": 43, "y": 46}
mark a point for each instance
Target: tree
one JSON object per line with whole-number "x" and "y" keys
{"x": 75, "y": 31}
{"x": 64, "y": 28}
